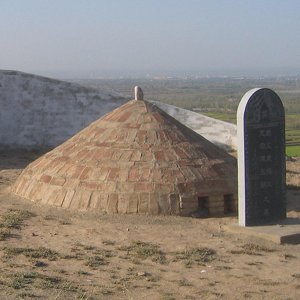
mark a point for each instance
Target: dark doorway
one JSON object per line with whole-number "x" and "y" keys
{"x": 229, "y": 205}
{"x": 203, "y": 209}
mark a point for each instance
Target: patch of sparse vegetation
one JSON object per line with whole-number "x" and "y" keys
{"x": 108, "y": 242}
{"x": 270, "y": 282}
{"x": 76, "y": 256}
{"x": 184, "y": 282}
{"x": 198, "y": 256}
{"x": 153, "y": 278}
{"x": 26, "y": 295}
{"x": 64, "y": 222}
{"x": 89, "y": 248}
{"x": 4, "y": 234}
{"x": 28, "y": 280}
{"x": 69, "y": 286}
{"x": 81, "y": 272}
{"x": 254, "y": 263}
{"x": 144, "y": 250}
{"x": 38, "y": 253}
{"x": 94, "y": 256}
{"x": 104, "y": 253}
{"x": 40, "y": 264}
{"x": 106, "y": 291}
{"x": 252, "y": 249}
{"x": 96, "y": 261}
{"x": 14, "y": 218}
{"x": 48, "y": 282}
{"x": 220, "y": 268}
{"x": 61, "y": 271}
{"x": 20, "y": 280}
{"x": 50, "y": 217}
{"x": 168, "y": 296}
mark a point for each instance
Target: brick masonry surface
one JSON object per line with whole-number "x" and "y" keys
{"x": 135, "y": 159}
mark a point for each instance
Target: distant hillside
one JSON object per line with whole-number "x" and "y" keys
{"x": 43, "y": 112}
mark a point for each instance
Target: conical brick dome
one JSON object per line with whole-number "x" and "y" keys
{"x": 136, "y": 159}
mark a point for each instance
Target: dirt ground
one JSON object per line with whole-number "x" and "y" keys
{"x": 49, "y": 253}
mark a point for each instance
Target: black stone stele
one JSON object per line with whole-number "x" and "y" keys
{"x": 261, "y": 161}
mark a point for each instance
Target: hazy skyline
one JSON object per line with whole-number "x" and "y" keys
{"x": 86, "y": 38}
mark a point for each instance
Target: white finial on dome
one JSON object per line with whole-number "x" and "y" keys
{"x": 138, "y": 93}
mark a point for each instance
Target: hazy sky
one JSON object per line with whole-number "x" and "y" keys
{"x": 79, "y": 38}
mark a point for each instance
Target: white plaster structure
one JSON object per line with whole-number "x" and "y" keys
{"x": 42, "y": 112}
{"x": 222, "y": 134}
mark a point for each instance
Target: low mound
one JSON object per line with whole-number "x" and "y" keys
{"x": 136, "y": 159}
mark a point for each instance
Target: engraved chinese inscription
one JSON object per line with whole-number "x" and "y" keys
{"x": 261, "y": 158}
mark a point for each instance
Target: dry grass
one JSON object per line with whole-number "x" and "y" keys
{"x": 96, "y": 261}
{"x": 144, "y": 250}
{"x": 29, "y": 281}
{"x": 193, "y": 256}
{"x": 4, "y": 234}
{"x": 14, "y": 218}
{"x": 252, "y": 249}
{"x": 108, "y": 242}
{"x": 38, "y": 253}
